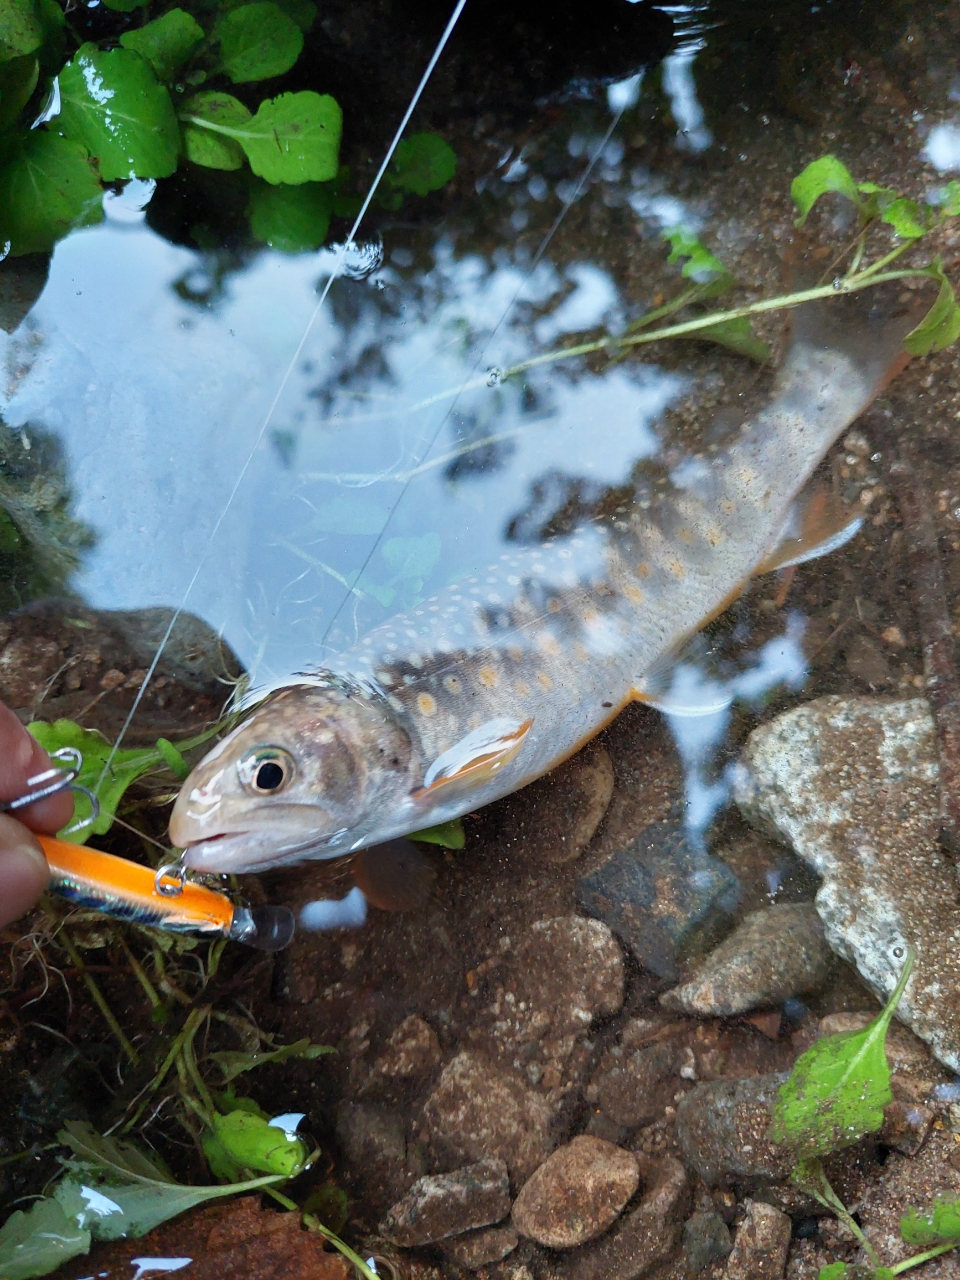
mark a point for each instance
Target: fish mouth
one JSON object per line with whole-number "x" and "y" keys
{"x": 236, "y": 852}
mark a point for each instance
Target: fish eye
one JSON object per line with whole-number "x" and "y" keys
{"x": 266, "y": 770}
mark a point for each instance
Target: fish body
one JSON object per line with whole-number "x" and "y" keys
{"x": 494, "y": 681}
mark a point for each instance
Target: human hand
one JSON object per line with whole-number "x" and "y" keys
{"x": 23, "y": 868}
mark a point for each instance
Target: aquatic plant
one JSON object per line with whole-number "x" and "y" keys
{"x": 139, "y": 103}
{"x": 835, "y": 1096}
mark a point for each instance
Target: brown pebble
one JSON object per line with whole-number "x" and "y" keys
{"x": 577, "y": 1193}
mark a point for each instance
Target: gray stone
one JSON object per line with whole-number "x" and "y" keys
{"x": 655, "y": 891}
{"x": 478, "y": 1111}
{"x": 569, "y": 971}
{"x": 852, "y": 786}
{"x": 476, "y": 1249}
{"x": 625, "y": 1082}
{"x": 642, "y": 1238}
{"x": 448, "y": 1204}
{"x": 412, "y": 1050}
{"x": 722, "y": 1130}
{"x": 576, "y": 1194}
{"x": 761, "y": 1244}
{"x": 706, "y": 1239}
{"x": 773, "y": 955}
{"x": 374, "y": 1147}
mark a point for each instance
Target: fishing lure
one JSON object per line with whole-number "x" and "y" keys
{"x": 124, "y": 890}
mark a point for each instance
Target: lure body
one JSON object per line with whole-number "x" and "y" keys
{"x": 496, "y": 680}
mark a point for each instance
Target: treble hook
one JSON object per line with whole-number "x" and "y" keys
{"x": 52, "y": 781}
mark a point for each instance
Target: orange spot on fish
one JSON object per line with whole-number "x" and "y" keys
{"x": 685, "y": 535}
{"x": 727, "y": 506}
{"x": 580, "y": 652}
{"x": 452, "y": 684}
{"x": 544, "y": 680}
{"x": 677, "y": 568}
{"x": 643, "y": 569}
{"x": 427, "y": 704}
{"x": 554, "y": 605}
{"x": 633, "y": 593}
{"x": 522, "y": 688}
{"x": 548, "y": 644}
{"x": 488, "y": 677}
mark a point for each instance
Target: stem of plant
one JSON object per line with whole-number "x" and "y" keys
{"x": 830, "y": 1200}
{"x": 917, "y": 1258}
{"x": 98, "y": 997}
{"x": 312, "y": 1223}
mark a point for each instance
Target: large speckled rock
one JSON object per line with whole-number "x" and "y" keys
{"x": 577, "y": 1193}
{"x": 570, "y": 969}
{"x": 761, "y": 1244}
{"x": 478, "y": 1111}
{"x": 636, "y": 1078}
{"x": 851, "y": 785}
{"x": 448, "y": 1204}
{"x": 722, "y": 1130}
{"x": 774, "y": 954}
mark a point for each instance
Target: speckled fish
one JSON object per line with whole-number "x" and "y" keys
{"x": 496, "y": 680}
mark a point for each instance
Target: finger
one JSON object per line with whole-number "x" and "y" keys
{"x": 23, "y": 870}
{"x": 22, "y": 758}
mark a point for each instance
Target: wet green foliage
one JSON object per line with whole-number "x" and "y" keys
{"x": 942, "y": 1226}
{"x": 449, "y": 835}
{"x": 138, "y": 106}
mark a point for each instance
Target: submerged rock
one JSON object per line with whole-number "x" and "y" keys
{"x": 577, "y": 1193}
{"x": 477, "y": 1111}
{"x": 448, "y": 1204}
{"x": 851, "y": 786}
{"x": 706, "y": 1240}
{"x": 476, "y": 1249}
{"x": 412, "y": 1050}
{"x": 722, "y": 1130}
{"x": 655, "y": 891}
{"x": 773, "y": 955}
{"x": 569, "y": 969}
{"x": 761, "y": 1244}
{"x": 636, "y": 1078}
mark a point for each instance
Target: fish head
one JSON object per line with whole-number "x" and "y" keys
{"x": 311, "y": 764}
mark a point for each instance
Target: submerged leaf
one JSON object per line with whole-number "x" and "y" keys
{"x": 125, "y": 6}
{"x": 173, "y": 759}
{"x": 258, "y": 41}
{"x": 294, "y": 138}
{"x": 207, "y": 146}
{"x": 820, "y": 176}
{"x": 166, "y": 43}
{"x": 18, "y": 79}
{"x": 423, "y": 163}
{"x": 413, "y": 557}
{"x": 291, "y": 219}
{"x": 112, "y": 1156}
{"x": 112, "y": 1211}
{"x": 303, "y": 12}
{"x": 256, "y": 1144}
{"x": 701, "y": 266}
{"x": 738, "y": 336}
{"x": 449, "y": 835}
{"x": 948, "y": 198}
{"x": 36, "y": 1241}
{"x": 941, "y": 325}
{"x": 21, "y": 28}
{"x": 47, "y": 187}
{"x": 837, "y": 1089}
{"x": 125, "y": 768}
{"x": 834, "y": 1271}
{"x": 113, "y": 104}
{"x": 233, "y": 1064}
{"x": 942, "y": 1226}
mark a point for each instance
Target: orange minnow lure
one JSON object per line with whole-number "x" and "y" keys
{"x": 497, "y": 679}
{"x": 128, "y": 891}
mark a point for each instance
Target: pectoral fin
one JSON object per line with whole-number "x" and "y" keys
{"x": 819, "y": 523}
{"x": 476, "y": 758}
{"x": 394, "y": 876}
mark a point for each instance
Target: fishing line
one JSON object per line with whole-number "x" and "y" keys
{"x": 468, "y": 380}
{"x": 345, "y": 248}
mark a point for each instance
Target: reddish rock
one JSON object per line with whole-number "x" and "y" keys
{"x": 576, "y": 1194}
{"x": 906, "y": 1127}
{"x": 412, "y": 1050}
{"x": 722, "y": 1129}
{"x": 625, "y": 1084}
{"x": 761, "y": 1244}
{"x": 476, "y": 1249}
{"x": 448, "y": 1204}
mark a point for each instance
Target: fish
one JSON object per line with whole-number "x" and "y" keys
{"x": 497, "y": 679}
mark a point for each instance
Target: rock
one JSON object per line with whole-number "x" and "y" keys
{"x": 374, "y": 1148}
{"x": 906, "y": 1126}
{"x": 764, "y": 868}
{"x": 571, "y": 969}
{"x": 851, "y": 786}
{"x": 654, "y": 892}
{"x": 722, "y": 1130}
{"x": 910, "y": 1183}
{"x": 772, "y": 956}
{"x": 706, "y": 1239}
{"x": 645, "y": 1236}
{"x": 477, "y": 1111}
{"x": 412, "y": 1050}
{"x": 576, "y": 1194}
{"x": 625, "y": 1083}
{"x": 761, "y": 1244}
{"x": 865, "y": 661}
{"x": 448, "y": 1204}
{"x": 476, "y": 1249}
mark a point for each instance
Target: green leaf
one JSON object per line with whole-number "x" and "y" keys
{"x": 21, "y": 28}
{"x": 214, "y": 150}
{"x": 54, "y": 35}
{"x": 291, "y": 219}
{"x": 173, "y": 759}
{"x": 738, "y": 335}
{"x": 112, "y": 1156}
{"x": 36, "y": 1241}
{"x": 125, "y": 768}
{"x": 47, "y": 187}
{"x": 18, "y": 79}
{"x": 941, "y": 325}
{"x": 294, "y": 138}
{"x": 112, "y": 103}
{"x": 908, "y": 219}
{"x": 820, "y": 176}
{"x": 303, "y": 12}
{"x": 412, "y": 557}
{"x": 447, "y": 834}
{"x": 837, "y": 1089}
{"x": 948, "y": 198}
{"x": 940, "y": 1227}
{"x": 9, "y": 534}
{"x": 835, "y": 1271}
{"x": 166, "y": 43}
{"x": 233, "y": 1064}
{"x": 423, "y": 163}
{"x": 255, "y": 1144}
{"x": 111, "y": 1211}
{"x": 125, "y": 6}
{"x": 258, "y": 41}
{"x": 701, "y": 266}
